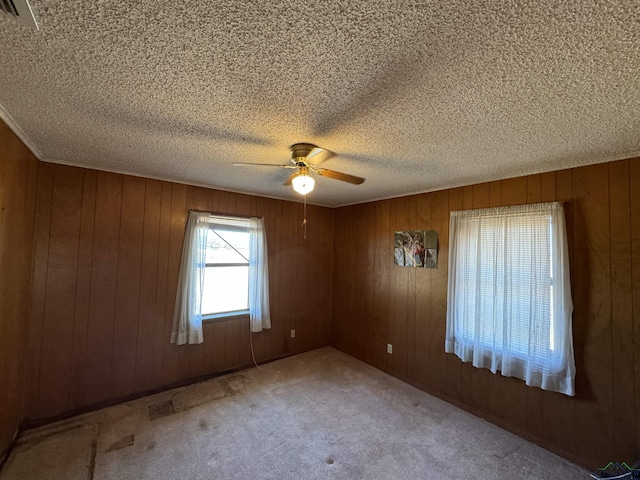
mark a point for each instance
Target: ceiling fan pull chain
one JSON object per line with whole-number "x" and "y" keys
{"x": 304, "y": 220}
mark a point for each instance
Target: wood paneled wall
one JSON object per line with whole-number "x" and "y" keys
{"x": 18, "y": 175}
{"x": 376, "y": 302}
{"x": 106, "y": 264}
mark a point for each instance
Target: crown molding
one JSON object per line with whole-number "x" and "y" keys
{"x": 13, "y": 125}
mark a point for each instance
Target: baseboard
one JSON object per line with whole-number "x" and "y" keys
{"x": 7, "y": 451}
{"x": 39, "y": 422}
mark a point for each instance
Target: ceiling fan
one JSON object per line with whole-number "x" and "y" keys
{"x": 302, "y": 154}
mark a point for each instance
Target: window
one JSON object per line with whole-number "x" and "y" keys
{"x": 509, "y": 302}
{"x": 226, "y": 277}
{"x": 223, "y": 272}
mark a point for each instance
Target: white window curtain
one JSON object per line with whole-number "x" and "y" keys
{"x": 509, "y": 296}
{"x": 258, "y": 276}
{"x": 187, "y": 319}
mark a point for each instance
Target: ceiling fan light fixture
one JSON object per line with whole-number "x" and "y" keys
{"x": 303, "y": 183}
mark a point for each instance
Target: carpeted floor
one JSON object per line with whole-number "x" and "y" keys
{"x": 325, "y": 415}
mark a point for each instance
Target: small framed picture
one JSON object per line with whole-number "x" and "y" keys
{"x": 416, "y": 248}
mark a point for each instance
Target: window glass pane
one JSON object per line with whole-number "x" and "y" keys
{"x": 225, "y": 289}
{"x": 227, "y": 246}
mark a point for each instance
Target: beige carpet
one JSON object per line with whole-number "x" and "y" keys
{"x": 324, "y": 416}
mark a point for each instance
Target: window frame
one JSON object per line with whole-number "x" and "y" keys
{"x": 231, "y": 314}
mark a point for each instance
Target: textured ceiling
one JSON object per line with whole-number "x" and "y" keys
{"x": 412, "y": 95}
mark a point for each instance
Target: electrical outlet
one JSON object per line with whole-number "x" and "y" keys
{"x": 293, "y": 333}
{"x": 389, "y": 348}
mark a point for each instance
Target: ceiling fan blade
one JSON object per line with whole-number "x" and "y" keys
{"x": 325, "y": 172}
{"x": 243, "y": 164}
{"x": 291, "y": 177}
{"x": 318, "y": 155}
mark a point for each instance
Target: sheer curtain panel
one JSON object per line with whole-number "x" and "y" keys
{"x": 258, "y": 276}
{"x": 509, "y": 296}
{"x": 187, "y": 317}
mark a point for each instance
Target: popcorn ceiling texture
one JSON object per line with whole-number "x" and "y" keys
{"x": 412, "y": 95}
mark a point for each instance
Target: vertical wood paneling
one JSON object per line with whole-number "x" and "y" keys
{"x": 340, "y": 283}
{"x": 438, "y": 359}
{"x": 160, "y": 335}
{"x": 368, "y": 284}
{"x": 358, "y": 279}
{"x": 592, "y": 313}
{"x": 326, "y": 269}
{"x": 384, "y": 261}
{"x": 148, "y": 284}
{"x": 624, "y": 415}
{"x": 402, "y": 278}
{"x": 298, "y": 245}
{"x": 548, "y": 187}
{"x": 176, "y": 237}
{"x": 278, "y": 284}
{"x": 102, "y": 298}
{"x": 55, "y": 373}
{"x": 219, "y": 329}
{"x": 125, "y": 333}
{"x": 39, "y": 284}
{"x": 78, "y": 391}
{"x": 18, "y": 198}
{"x": 634, "y": 183}
{"x": 277, "y": 340}
{"x": 312, "y": 329}
{"x": 232, "y": 344}
{"x": 422, "y": 329}
{"x": 534, "y": 188}
{"x": 106, "y": 270}
{"x": 282, "y": 226}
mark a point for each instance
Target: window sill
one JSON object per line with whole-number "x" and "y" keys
{"x": 223, "y": 317}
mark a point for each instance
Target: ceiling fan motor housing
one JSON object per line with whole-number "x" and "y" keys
{"x": 299, "y": 151}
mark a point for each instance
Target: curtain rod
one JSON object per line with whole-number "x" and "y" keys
{"x": 215, "y": 214}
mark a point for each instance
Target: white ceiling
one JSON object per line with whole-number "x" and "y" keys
{"x": 413, "y": 95}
